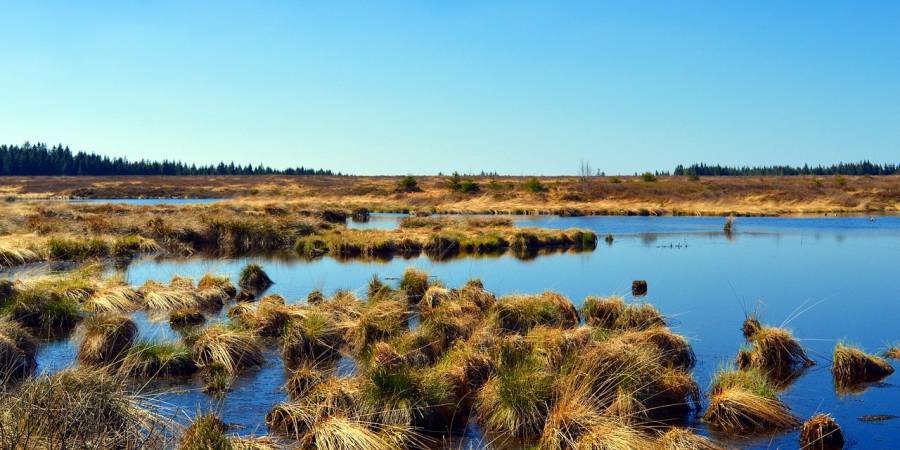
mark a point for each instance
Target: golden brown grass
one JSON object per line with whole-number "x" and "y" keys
{"x": 684, "y": 439}
{"x": 851, "y": 367}
{"x": 17, "y": 352}
{"x": 669, "y": 195}
{"x": 104, "y": 338}
{"x": 821, "y": 432}
{"x": 745, "y": 402}
{"x": 231, "y": 350}
{"x": 774, "y": 351}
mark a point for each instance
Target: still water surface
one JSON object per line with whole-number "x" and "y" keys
{"x": 827, "y": 279}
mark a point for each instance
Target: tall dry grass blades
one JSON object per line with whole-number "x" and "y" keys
{"x": 254, "y": 278}
{"x": 821, "y": 432}
{"x": 774, "y": 351}
{"x": 520, "y": 313}
{"x": 744, "y": 402}
{"x": 231, "y": 350}
{"x": 17, "y": 352}
{"x": 104, "y": 338}
{"x": 851, "y": 367}
{"x": 80, "y": 408}
{"x": 149, "y": 359}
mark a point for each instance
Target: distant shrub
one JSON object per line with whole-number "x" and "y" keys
{"x": 469, "y": 187}
{"x": 817, "y": 182}
{"x": 693, "y": 177}
{"x": 408, "y": 184}
{"x": 534, "y": 185}
{"x": 648, "y": 177}
{"x": 840, "y": 181}
{"x": 615, "y": 180}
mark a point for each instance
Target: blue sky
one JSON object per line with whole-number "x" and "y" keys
{"x": 419, "y": 87}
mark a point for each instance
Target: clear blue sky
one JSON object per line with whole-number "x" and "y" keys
{"x": 420, "y": 87}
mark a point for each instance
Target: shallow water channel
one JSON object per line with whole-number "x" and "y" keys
{"x": 827, "y": 279}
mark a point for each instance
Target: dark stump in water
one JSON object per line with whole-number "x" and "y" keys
{"x": 822, "y": 433}
{"x": 360, "y": 215}
{"x": 638, "y": 288}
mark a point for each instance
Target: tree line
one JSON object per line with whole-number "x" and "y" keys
{"x": 39, "y": 159}
{"x": 857, "y": 168}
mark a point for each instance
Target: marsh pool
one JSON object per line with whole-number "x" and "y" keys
{"x": 828, "y": 279}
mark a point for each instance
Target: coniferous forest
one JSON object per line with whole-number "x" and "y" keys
{"x": 857, "y": 168}
{"x": 39, "y": 159}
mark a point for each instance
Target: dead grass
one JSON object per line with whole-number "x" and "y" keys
{"x": 852, "y": 367}
{"x": 821, "y": 432}
{"x": 231, "y": 350}
{"x": 669, "y": 195}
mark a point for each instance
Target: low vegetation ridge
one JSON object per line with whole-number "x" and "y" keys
{"x": 34, "y": 231}
{"x": 589, "y": 195}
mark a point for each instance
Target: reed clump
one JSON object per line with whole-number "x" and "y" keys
{"x": 148, "y": 359}
{"x": 684, "y": 439}
{"x": 80, "y": 408}
{"x": 821, "y": 432}
{"x": 186, "y": 317}
{"x": 17, "y": 352}
{"x": 218, "y": 346}
{"x": 207, "y": 431}
{"x": 852, "y": 367}
{"x": 254, "y": 278}
{"x": 745, "y": 402}
{"x": 104, "y": 338}
{"x": 612, "y": 313}
{"x": 774, "y": 351}
{"x": 520, "y": 313}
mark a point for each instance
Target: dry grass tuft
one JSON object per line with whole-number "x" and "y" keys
{"x": 231, "y": 350}
{"x": 744, "y": 402}
{"x": 104, "y": 338}
{"x": 254, "y": 278}
{"x": 684, "y": 439}
{"x": 852, "y": 367}
{"x": 520, "y": 313}
{"x": 206, "y": 432}
{"x": 118, "y": 299}
{"x": 774, "y": 351}
{"x": 821, "y": 432}
{"x": 17, "y": 352}
{"x": 158, "y": 359}
{"x": 414, "y": 283}
{"x": 80, "y": 408}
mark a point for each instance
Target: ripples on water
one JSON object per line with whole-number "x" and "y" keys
{"x": 841, "y": 273}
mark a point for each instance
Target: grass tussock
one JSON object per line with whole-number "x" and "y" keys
{"x": 211, "y": 281}
{"x": 684, "y": 439}
{"x": 254, "y": 278}
{"x": 117, "y": 299}
{"x": 104, "y": 338}
{"x": 228, "y": 349}
{"x": 520, "y": 313}
{"x": 612, "y": 313}
{"x": 80, "y": 408}
{"x": 821, "y": 432}
{"x": 17, "y": 352}
{"x": 892, "y": 353}
{"x": 205, "y": 432}
{"x": 316, "y": 335}
{"x": 745, "y": 402}
{"x": 852, "y": 367}
{"x": 149, "y": 359}
{"x": 775, "y": 351}
{"x": 186, "y": 317}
